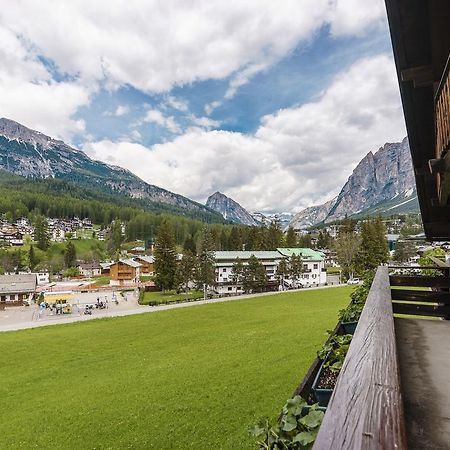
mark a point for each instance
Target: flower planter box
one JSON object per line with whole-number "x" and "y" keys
{"x": 349, "y": 327}
{"x": 322, "y": 394}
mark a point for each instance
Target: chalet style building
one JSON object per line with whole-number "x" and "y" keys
{"x": 147, "y": 264}
{"x": 393, "y": 391}
{"x": 92, "y": 269}
{"x": 125, "y": 272}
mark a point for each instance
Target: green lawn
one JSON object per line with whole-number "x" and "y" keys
{"x": 101, "y": 281}
{"x": 187, "y": 378}
{"x": 169, "y": 296}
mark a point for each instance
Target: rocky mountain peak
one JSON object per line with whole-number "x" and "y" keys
{"x": 230, "y": 209}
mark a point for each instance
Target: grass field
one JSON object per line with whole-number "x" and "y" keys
{"x": 168, "y": 296}
{"x": 187, "y": 378}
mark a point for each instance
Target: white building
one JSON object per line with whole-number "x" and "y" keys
{"x": 314, "y": 272}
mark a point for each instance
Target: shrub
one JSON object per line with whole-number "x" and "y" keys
{"x": 295, "y": 429}
{"x": 334, "y": 351}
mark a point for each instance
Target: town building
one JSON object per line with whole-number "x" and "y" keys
{"x": 92, "y": 269}
{"x": 125, "y": 272}
{"x": 17, "y": 289}
{"x": 147, "y": 264}
{"x": 314, "y": 272}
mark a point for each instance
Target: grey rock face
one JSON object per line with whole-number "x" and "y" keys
{"x": 32, "y": 154}
{"x": 384, "y": 176}
{"x": 230, "y": 209}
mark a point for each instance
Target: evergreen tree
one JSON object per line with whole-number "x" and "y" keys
{"x": 374, "y": 248}
{"x": 235, "y": 241}
{"x": 189, "y": 245}
{"x": 184, "y": 273}
{"x": 237, "y": 272}
{"x": 41, "y": 235}
{"x": 324, "y": 239}
{"x": 305, "y": 241}
{"x": 32, "y": 258}
{"x": 206, "y": 270}
{"x": 295, "y": 268}
{"x": 274, "y": 236}
{"x": 115, "y": 238}
{"x": 282, "y": 271}
{"x": 291, "y": 238}
{"x": 70, "y": 255}
{"x": 254, "y": 279}
{"x": 165, "y": 257}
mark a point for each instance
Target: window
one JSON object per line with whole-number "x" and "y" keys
{"x": 224, "y": 269}
{"x": 230, "y": 288}
{"x": 270, "y": 271}
{"x": 316, "y": 266}
{"x": 305, "y": 266}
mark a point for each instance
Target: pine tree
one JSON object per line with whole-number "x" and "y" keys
{"x": 189, "y": 245}
{"x": 291, "y": 238}
{"x": 184, "y": 273}
{"x": 374, "y": 248}
{"x": 205, "y": 271}
{"x": 115, "y": 238}
{"x": 305, "y": 241}
{"x": 237, "y": 272}
{"x": 32, "y": 258}
{"x": 295, "y": 268}
{"x": 347, "y": 246}
{"x": 235, "y": 241}
{"x": 282, "y": 271}
{"x": 41, "y": 235}
{"x": 165, "y": 257}
{"x": 253, "y": 279}
{"x": 70, "y": 255}
{"x": 274, "y": 236}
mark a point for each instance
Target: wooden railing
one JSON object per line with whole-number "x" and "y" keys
{"x": 442, "y": 114}
{"x": 366, "y": 408}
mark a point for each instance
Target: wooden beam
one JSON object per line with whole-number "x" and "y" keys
{"x": 419, "y": 281}
{"x": 366, "y": 408}
{"x": 421, "y": 296}
{"x": 421, "y": 310}
{"x": 421, "y": 76}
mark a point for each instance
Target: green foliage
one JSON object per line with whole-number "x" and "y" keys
{"x": 165, "y": 257}
{"x": 426, "y": 260}
{"x": 71, "y": 272}
{"x": 305, "y": 241}
{"x": 347, "y": 246}
{"x": 297, "y": 428}
{"x": 334, "y": 351}
{"x": 254, "y": 276}
{"x": 291, "y": 238}
{"x": 237, "y": 271}
{"x": 374, "y": 248}
{"x": 282, "y": 270}
{"x": 33, "y": 260}
{"x": 185, "y": 271}
{"x": 41, "y": 235}
{"x": 295, "y": 268}
{"x": 114, "y": 238}
{"x": 205, "y": 272}
{"x": 70, "y": 254}
{"x": 359, "y": 296}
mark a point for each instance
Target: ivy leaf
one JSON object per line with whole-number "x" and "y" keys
{"x": 305, "y": 437}
{"x": 290, "y": 423}
{"x": 313, "y": 419}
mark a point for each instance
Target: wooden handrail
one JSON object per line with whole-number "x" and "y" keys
{"x": 366, "y": 408}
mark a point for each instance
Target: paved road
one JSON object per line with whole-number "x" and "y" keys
{"x": 137, "y": 309}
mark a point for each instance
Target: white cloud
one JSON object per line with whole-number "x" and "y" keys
{"x": 156, "y": 116}
{"x": 29, "y": 95}
{"x": 121, "y": 110}
{"x": 298, "y": 156}
{"x": 177, "y": 103}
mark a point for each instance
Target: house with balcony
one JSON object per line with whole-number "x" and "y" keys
{"x": 17, "y": 289}
{"x": 125, "y": 272}
{"x": 147, "y": 264}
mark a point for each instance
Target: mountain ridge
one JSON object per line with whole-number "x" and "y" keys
{"x": 31, "y": 153}
{"x": 230, "y": 209}
{"x": 377, "y": 180}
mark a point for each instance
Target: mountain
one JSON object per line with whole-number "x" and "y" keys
{"x": 382, "y": 183}
{"x": 230, "y": 209}
{"x": 283, "y": 218}
{"x": 29, "y": 153}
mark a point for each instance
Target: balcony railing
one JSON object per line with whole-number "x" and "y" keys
{"x": 382, "y": 398}
{"x": 442, "y": 114}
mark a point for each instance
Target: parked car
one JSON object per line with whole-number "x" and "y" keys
{"x": 353, "y": 281}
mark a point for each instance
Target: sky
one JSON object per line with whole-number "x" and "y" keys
{"x": 271, "y": 103}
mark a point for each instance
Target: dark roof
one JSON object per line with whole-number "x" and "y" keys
{"x": 14, "y": 284}
{"x": 90, "y": 266}
{"x": 420, "y": 34}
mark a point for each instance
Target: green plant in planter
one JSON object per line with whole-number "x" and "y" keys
{"x": 352, "y": 313}
{"x": 334, "y": 351}
{"x": 295, "y": 429}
